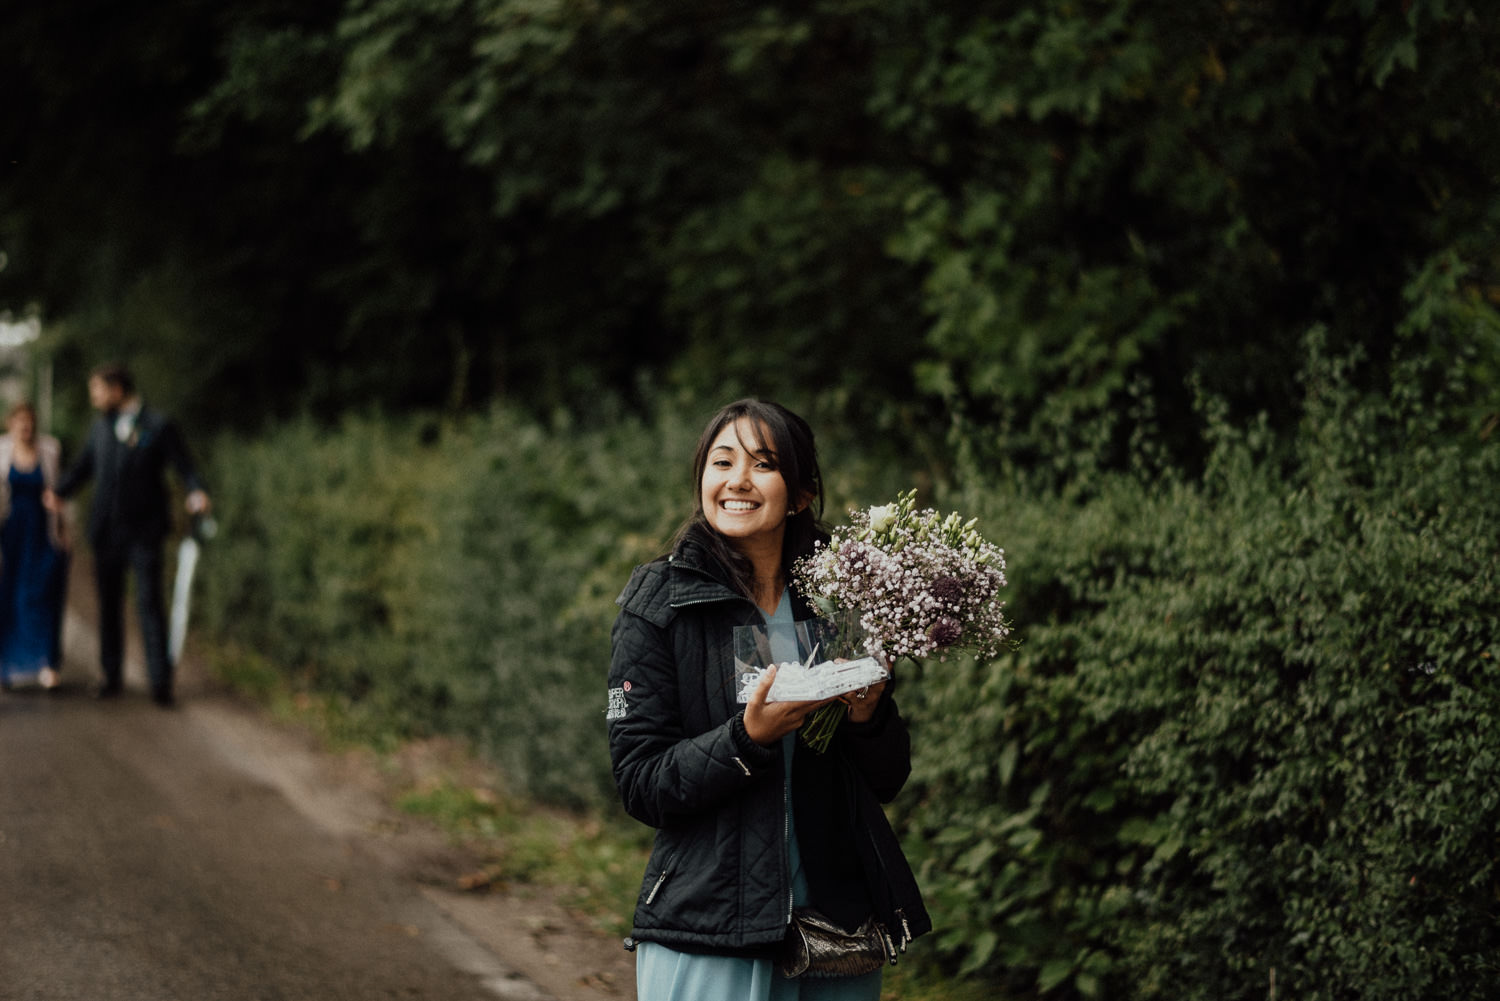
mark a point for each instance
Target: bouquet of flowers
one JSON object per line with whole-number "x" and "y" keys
{"x": 917, "y": 584}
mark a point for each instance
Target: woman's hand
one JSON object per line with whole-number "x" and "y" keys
{"x": 767, "y": 722}
{"x": 862, "y": 703}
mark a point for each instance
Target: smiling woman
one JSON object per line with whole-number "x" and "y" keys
{"x": 752, "y": 459}
{"x": 758, "y": 841}
{"x": 745, "y": 499}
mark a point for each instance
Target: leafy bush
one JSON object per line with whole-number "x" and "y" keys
{"x": 454, "y": 578}
{"x": 1249, "y": 735}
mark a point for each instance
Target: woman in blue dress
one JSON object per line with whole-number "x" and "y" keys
{"x": 753, "y": 827}
{"x": 33, "y": 554}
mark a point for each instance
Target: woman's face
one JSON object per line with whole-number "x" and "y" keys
{"x": 22, "y": 426}
{"x": 743, "y": 494}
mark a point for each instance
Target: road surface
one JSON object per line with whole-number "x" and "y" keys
{"x": 152, "y": 854}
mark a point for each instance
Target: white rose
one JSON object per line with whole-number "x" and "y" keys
{"x": 882, "y": 517}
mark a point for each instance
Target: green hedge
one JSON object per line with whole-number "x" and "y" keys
{"x": 443, "y": 577}
{"x": 1248, "y": 737}
{"x": 1247, "y": 746}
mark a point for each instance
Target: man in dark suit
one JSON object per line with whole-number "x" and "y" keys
{"x": 129, "y": 448}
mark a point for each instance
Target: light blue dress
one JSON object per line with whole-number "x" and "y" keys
{"x": 665, "y": 974}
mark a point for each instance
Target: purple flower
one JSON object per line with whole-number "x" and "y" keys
{"x": 945, "y": 631}
{"x": 949, "y": 590}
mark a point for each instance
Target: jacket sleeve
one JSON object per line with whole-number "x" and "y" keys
{"x": 880, "y": 748}
{"x": 79, "y": 472}
{"x": 664, "y": 774}
{"x": 177, "y": 453}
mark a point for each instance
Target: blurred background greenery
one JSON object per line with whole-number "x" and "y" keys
{"x": 1193, "y": 305}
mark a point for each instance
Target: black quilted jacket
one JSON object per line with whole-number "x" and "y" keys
{"x": 718, "y": 878}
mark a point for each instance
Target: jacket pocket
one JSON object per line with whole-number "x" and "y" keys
{"x": 660, "y": 881}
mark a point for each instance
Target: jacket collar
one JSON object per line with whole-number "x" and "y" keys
{"x": 700, "y": 577}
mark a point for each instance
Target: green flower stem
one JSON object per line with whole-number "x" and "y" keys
{"x": 817, "y": 730}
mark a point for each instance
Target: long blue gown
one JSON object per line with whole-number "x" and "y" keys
{"x": 32, "y": 579}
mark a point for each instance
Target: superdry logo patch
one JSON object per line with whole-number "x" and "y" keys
{"x": 617, "y": 708}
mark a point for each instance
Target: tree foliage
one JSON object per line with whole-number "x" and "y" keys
{"x": 1143, "y": 190}
{"x": 1021, "y": 219}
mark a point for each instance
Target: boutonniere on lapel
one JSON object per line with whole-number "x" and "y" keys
{"x": 128, "y": 431}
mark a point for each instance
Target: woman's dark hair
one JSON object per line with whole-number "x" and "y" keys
{"x": 791, "y": 439}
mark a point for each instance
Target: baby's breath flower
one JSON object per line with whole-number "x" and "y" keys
{"x": 919, "y": 583}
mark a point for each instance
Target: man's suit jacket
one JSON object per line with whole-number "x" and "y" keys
{"x": 130, "y": 489}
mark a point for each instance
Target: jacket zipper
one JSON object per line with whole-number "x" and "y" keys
{"x": 666, "y": 871}
{"x": 786, "y": 820}
{"x": 786, "y": 847}
{"x": 728, "y": 594}
{"x": 900, "y": 913}
{"x": 709, "y": 601}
